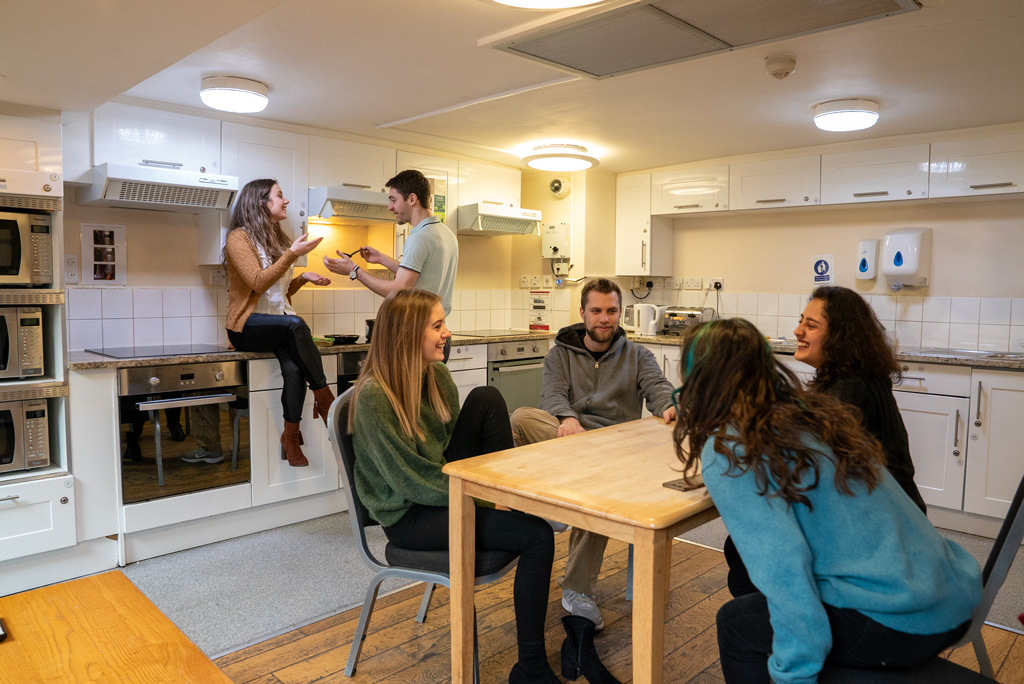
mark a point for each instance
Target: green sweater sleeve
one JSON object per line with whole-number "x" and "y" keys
{"x": 392, "y": 471}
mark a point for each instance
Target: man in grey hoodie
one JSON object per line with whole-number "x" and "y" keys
{"x": 593, "y": 377}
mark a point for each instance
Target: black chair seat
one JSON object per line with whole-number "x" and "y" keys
{"x": 935, "y": 671}
{"x": 487, "y": 562}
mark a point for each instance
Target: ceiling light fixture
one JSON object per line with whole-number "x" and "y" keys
{"x": 547, "y": 4}
{"x": 846, "y": 115}
{"x": 560, "y": 157}
{"x": 234, "y": 94}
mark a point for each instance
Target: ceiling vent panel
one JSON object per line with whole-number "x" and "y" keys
{"x": 646, "y": 35}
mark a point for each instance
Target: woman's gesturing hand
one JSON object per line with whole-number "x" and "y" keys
{"x": 316, "y": 278}
{"x": 303, "y": 245}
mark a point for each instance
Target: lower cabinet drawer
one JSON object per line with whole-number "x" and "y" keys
{"x": 37, "y": 516}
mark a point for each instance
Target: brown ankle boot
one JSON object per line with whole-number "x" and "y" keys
{"x": 290, "y": 440}
{"x": 322, "y": 400}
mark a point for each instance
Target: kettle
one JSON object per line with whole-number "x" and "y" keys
{"x": 646, "y": 319}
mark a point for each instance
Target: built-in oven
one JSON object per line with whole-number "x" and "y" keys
{"x": 24, "y": 435}
{"x": 21, "y": 342}
{"x": 517, "y": 370}
{"x": 26, "y": 249}
{"x": 210, "y": 400}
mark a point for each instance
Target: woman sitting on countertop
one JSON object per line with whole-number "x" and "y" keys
{"x": 406, "y": 424}
{"x": 259, "y": 258}
{"x": 848, "y": 569}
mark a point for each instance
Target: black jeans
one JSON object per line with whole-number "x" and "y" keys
{"x": 483, "y": 427}
{"x": 289, "y": 339}
{"x": 745, "y": 641}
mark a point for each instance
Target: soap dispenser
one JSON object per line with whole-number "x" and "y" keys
{"x": 907, "y": 257}
{"x": 867, "y": 257}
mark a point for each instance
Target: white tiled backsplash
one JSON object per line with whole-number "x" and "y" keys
{"x": 983, "y": 323}
{"x": 139, "y": 316}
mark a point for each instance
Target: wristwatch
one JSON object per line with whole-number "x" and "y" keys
{"x": 352, "y": 273}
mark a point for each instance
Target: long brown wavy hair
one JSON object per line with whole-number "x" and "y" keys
{"x": 251, "y": 215}
{"x": 855, "y": 343}
{"x": 736, "y": 393}
{"x": 395, "y": 360}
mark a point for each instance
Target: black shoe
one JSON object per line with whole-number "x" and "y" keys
{"x": 518, "y": 675}
{"x": 579, "y": 655}
{"x": 177, "y": 434}
{"x": 132, "y": 452}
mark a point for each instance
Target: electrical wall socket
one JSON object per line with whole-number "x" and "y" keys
{"x": 535, "y": 281}
{"x": 70, "y": 269}
{"x": 714, "y": 283}
{"x": 218, "y": 276}
{"x": 659, "y": 283}
{"x": 692, "y": 284}
{"x": 548, "y": 281}
{"x": 672, "y": 283}
{"x": 636, "y": 282}
{"x": 561, "y": 268}
{"x": 524, "y": 282}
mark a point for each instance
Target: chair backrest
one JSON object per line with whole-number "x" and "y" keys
{"x": 341, "y": 443}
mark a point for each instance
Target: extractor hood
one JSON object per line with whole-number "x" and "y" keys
{"x": 140, "y": 187}
{"x": 348, "y": 205}
{"x": 486, "y": 218}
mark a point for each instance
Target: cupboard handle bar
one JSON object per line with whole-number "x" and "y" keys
{"x": 913, "y": 377}
{"x": 12, "y": 497}
{"x": 986, "y": 186}
{"x": 977, "y": 418}
{"x": 492, "y": 202}
{"x": 643, "y": 254}
{"x": 182, "y": 402}
{"x": 513, "y": 369}
{"x": 355, "y": 185}
{"x": 956, "y": 431}
{"x": 770, "y": 201}
{"x": 157, "y": 162}
{"x": 879, "y": 193}
{"x": 687, "y": 206}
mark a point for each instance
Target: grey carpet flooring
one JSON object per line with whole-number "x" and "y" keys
{"x": 234, "y": 593}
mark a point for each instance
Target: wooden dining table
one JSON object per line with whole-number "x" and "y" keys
{"x": 608, "y": 481}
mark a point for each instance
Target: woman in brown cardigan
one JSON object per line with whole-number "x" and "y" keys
{"x": 260, "y": 317}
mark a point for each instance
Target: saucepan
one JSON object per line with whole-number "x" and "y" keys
{"x": 343, "y": 339}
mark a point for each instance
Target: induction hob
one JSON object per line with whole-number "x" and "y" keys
{"x": 161, "y": 350}
{"x": 495, "y": 333}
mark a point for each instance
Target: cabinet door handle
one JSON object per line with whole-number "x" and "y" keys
{"x": 157, "y": 162}
{"x": 499, "y": 204}
{"x": 687, "y": 206}
{"x": 977, "y": 418}
{"x": 986, "y": 186}
{"x": 914, "y": 377}
{"x": 12, "y": 497}
{"x": 956, "y": 434}
{"x": 879, "y": 193}
{"x": 355, "y": 185}
{"x": 770, "y": 201}
{"x": 643, "y": 254}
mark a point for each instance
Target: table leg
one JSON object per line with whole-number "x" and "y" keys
{"x": 462, "y": 563}
{"x": 652, "y": 555}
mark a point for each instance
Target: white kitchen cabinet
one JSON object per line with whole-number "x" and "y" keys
{"x": 249, "y": 153}
{"x": 994, "y": 462}
{"x": 643, "y": 243}
{"x": 30, "y": 161}
{"x": 36, "y": 516}
{"x": 937, "y": 430}
{"x": 671, "y": 360}
{"x": 794, "y": 182}
{"x": 349, "y": 164}
{"x": 883, "y": 175}
{"x": 978, "y": 166}
{"x": 489, "y": 184}
{"x": 655, "y": 349}
{"x": 468, "y": 365}
{"x": 137, "y": 136}
{"x": 690, "y": 191}
{"x": 273, "y": 479}
{"x": 443, "y": 175}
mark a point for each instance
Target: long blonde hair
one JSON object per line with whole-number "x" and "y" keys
{"x": 395, "y": 360}
{"x": 251, "y": 215}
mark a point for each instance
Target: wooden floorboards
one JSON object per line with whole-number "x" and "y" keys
{"x": 398, "y": 650}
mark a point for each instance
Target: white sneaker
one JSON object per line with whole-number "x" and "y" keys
{"x": 556, "y": 526}
{"x": 202, "y": 455}
{"x": 582, "y": 605}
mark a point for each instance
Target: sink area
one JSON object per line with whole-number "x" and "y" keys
{"x": 965, "y": 353}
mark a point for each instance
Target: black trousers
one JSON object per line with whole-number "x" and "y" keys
{"x": 288, "y": 337}
{"x": 483, "y": 427}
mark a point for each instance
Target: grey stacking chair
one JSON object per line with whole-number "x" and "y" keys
{"x": 940, "y": 670}
{"x": 430, "y": 567}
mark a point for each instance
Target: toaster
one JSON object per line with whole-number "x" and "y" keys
{"x": 676, "y": 319}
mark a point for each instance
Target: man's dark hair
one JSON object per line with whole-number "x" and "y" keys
{"x": 412, "y": 181}
{"x": 602, "y": 285}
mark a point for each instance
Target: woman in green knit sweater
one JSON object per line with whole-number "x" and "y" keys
{"x": 406, "y": 424}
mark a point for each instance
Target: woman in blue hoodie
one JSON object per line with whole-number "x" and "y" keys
{"x": 848, "y": 569}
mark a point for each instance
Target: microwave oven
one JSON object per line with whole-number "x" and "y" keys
{"x": 21, "y": 342}
{"x": 24, "y": 435}
{"x": 26, "y": 256}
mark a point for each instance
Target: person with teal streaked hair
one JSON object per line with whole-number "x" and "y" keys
{"x": 847, "y": 568}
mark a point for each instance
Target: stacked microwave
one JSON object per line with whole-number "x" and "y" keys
{"x": 26, "y": 246}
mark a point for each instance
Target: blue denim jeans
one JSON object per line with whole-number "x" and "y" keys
{"x": 745, "y": 641}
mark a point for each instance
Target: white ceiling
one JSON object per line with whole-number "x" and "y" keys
{"x": 410, "y": 71}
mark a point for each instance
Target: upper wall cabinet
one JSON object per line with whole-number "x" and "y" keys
{"x": 894, "y": 173}
{"x": 979, "y": 166}
{"x": 489, "y": 184}
{"x": 643, "y": 243}
{"x": 443, "y": 175}
{"x": 353, "y": 165}
{"x": 136, "y": 136}
{"x": 792, "y": 182}
{"x": 30, "y": 160}
{"x": 689, "y": 191}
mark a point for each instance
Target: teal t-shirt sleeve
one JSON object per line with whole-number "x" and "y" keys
{"x": 777, "y": 556}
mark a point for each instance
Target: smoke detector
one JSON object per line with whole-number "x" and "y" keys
{"x": 780, "y": 66}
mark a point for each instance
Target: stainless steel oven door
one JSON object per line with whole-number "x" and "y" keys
{"x": 10, "y": 366}
{"x": 12, "y": 436}
{"x": 518, "y": 381}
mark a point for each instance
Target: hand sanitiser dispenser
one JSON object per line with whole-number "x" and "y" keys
{"x": 907, "y": 257}
{"x": 867, "y": 257}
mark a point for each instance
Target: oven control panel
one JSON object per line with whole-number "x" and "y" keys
{"x": 180, "y": 377}
{"x": 513, "y": 351}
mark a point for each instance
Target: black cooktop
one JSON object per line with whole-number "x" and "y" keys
{"x": 161, "y": 350}
{"x": 495, "y": 333}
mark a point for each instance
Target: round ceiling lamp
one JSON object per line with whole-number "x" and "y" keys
{"x": 234, "y": 94}
{"x": 846, "y": 115}
{"x": 547, "y": 4}
{"x": 560, "y": 157}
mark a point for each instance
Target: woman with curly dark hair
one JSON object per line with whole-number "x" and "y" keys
{"x": 847, "y": 569}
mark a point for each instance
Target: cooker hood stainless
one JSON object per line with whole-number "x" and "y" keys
{"x": 490, "y": 218}
{"x": 140, "y": 187}
{"x": 347, "y": 204}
